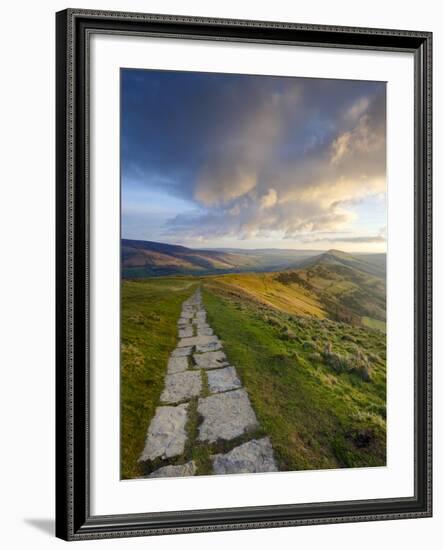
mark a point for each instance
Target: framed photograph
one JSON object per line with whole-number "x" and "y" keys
{"x": 243, "y": 274}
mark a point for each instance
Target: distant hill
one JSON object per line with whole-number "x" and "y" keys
{"x": 347, "y": 285}
{"x": 378, "y": 260}
{"x": 149, "y": 259}
{"x": 374, "y": 264}
{"x": 343, "y": 286}
{"x": 334, "y": 284}
{"x": 324, "y": 289}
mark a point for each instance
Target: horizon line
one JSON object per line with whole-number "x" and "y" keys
{"x": 319, "y": 250}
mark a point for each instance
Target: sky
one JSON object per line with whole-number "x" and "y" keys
{"x": 212, "y": 160}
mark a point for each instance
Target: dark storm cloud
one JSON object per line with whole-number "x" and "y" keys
{"x": 254, "y": 154}
{"x": 177, "y": 124}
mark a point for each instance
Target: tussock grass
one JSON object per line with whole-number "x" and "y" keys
{"x": 356, "y": 363}
{"x": 317, "y": 416}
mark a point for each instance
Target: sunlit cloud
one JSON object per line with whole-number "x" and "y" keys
{"x": 259, "y": 157}
{"x": 269, "y": 199}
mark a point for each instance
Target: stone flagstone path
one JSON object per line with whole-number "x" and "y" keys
{"x": 198, "y": 370}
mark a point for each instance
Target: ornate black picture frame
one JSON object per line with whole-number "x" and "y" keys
{"x": 74, "y": 29}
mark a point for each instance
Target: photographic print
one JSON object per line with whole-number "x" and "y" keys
{"x": 222, "y": 239}
{"x": 253, "y": 273}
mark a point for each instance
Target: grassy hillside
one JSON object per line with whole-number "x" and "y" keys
{"x": 318, "y": 386}
{"x": 324, "y": 289}
{"x": 270, "y": 289}
{"x": 370, "y": 264}
{"x": 379, "y": 260}
{"x": 343, "y": 286}
{"x": 146, "y": 258}
{"x": 347, "y": 293}
{"x": 149, "y": 313}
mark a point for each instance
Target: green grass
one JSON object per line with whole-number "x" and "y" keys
{"x": 298, "y": 370}
{"x": 316, "y": 417}
{"x": 150, "y": 310}
{"x": 343, "y": 289}
{"x": 374, "y": 323}
{"x": 269, "y": 289}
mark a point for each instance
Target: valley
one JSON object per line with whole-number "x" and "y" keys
{"x": 150, "y": 259}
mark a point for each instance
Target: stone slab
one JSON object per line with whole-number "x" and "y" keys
{"x": 185, "y": 332}
{"x": 225, "y": 416}
{"x": 166, "y": 436}
{"x": 206, "y": 331}
{"x": 254, "y": 456}
{"x": 200, "y": 324}
{"x": 181, "y": 386}
{"x": 182, "y": 352}
{"x": 181, "y": 470}
{"x": 210, "y": 360}
{"x": 177, "y": 364}
{"x": 220, "y": 380}
{"x": 197, "y": 341}
{"x": 210, "y": 346}
{"x": 187, "y": 314}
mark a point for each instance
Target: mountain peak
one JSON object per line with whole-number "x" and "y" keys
{"x": 334, "y": 257}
